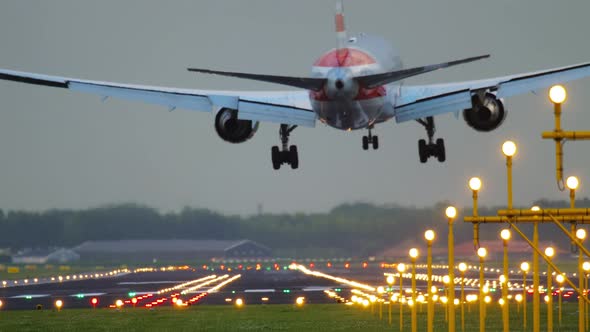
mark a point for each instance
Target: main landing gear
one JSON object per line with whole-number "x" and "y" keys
{"x": 287, "y": 154}
{"x": 370, "y": 140}
{"x": 431, "y": 149}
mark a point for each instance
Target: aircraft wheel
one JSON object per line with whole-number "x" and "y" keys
{"x": 422, "y": 151}
{"x": 293, "y": 157}
{"x": 440, "y": 150}
{"x": 365, "y": 143}
{"x": 375, "y": 142}
{"x": 276, "y": 157}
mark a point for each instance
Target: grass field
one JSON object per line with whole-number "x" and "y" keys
{"x": 312, "y": 317}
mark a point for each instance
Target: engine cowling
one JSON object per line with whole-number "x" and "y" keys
{"x": 486, "y": 114}
{"x": 231, "y": 129}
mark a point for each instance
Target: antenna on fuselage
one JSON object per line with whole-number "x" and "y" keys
{"x": 341, "y": 36}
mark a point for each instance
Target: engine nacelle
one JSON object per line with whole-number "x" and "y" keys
{"x": 232, "y": 130}
{"x": 486, "y": 114}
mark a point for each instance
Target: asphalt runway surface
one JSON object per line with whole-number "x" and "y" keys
{"x": 203, "y": 287}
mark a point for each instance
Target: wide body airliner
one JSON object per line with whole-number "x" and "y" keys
{"x": 356, "y": 85}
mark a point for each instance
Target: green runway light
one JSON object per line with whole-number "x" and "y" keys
{"x": 28, "y": 297}
{"x": 286, "y": 291}
{"x": 338, "y": 289}
{"x": 132, "y": 294}
{"x": 80, "y": 296}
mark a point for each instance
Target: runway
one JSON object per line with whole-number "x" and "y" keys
{"x": 155, "y": 287}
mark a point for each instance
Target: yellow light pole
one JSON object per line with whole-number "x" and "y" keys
{"x": 390, "y": 281}
{"x": 401, "y": 268}
{"x": 505, "y": 235}
{"x": 560, "y": 279}
{"x": 549, "y": 252}
{"x": 451, "y": 213}
{"x": 475, "y": 186}
{"x": 380, "y": 291}
{"x": 446, "y": 281}
{"x": 429, "y": 235}
{"x": 509, "y": 150}
{"x": 481, "y": 252}
{"x": 586, "y": 268}
{"x": 581, "y": 235}
{"x": 414, "y": 255}
{"x": 524, "y": 266}
{"x": 462, "y": 269}
{"x": 558, "y": 95}
{"x": 573, "y": 183}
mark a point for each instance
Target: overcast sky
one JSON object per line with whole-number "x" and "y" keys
{"x": 61, "y": 149}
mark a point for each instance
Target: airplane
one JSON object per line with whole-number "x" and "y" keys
{"x": 354, "y": 86}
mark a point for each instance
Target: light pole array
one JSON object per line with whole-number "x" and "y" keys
{"x": 429, "y": 235}
{"x": 451, "y": 213}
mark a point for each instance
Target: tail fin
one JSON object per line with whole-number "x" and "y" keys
{"x": 340, "y": 28}
{"x": 341, "y": 52}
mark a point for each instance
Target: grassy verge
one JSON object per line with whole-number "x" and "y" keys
{"x": 328, "y": 317}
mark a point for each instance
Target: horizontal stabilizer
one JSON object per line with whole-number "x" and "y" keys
{"x": 373, "y": 81}
{"x": 314, "y": 84}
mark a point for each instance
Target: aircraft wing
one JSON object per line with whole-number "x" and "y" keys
{"x": 416, "y": 102}
{"x": 283, "y": 107}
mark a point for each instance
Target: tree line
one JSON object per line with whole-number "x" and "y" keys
{"x": 353, "y": 229}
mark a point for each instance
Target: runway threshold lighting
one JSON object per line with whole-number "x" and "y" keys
{"x": 300, "y": 301}
{"x": 429, "y": 235}
{"x": 239, "y": 303}
{"x": 94, "y": 301}
{"x": 119, "y": 303}
{"x": 557, "y": 94}
{"x": 59, "y": 304}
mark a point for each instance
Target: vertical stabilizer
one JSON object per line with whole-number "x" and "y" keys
{"x": 342, "y": 52}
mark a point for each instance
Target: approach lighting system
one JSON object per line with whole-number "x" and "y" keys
{"x": 509, "y": 148}
{"x": 401, "y": 267}
{"x": 413, "y": 253}
{"x": 462, "y": 267}
{"x": 482, "y": 252}
{"x": 59, "y": 304}
{"x": 239, "y": 302}
{"x": 549, "y": 252}
{"x": 557, "y": 94}
{"x": 475, "y": 184}
{"x": 429, "y": 235}
{"x": 505, "y": 234}
{"x": 560, "y": 278}
{"x": 390, "y": 279}
{"x": 525, "y": 266}
{"x": 581, "y": 234}
{"x": 451, "y": 212}
{"x": 572, "y": 182}
{"x": 119, "y": 303}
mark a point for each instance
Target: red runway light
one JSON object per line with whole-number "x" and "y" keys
{"x": 329, "y": 264}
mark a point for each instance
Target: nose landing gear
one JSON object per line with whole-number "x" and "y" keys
{"x": 287, "y": 154}
{"x": 431, "y": 149}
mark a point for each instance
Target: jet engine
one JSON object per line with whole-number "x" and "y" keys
{"x": 486, "y": 114}
{"x": 232, "y": 130}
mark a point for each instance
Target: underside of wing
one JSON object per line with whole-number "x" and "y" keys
{"x": 415, "y": 102}
{"x": 286, "y": 107}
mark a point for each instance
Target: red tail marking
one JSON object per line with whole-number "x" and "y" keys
{"x": 339, "y": 23}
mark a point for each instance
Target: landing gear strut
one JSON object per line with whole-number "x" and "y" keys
{"x": 287, "y": 154}
{"x": 370, "y": 139}
{"x": 431, "y": 149}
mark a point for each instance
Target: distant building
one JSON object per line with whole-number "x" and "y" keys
{"x": 168, "y": 250}
{"x": 36, "y": 256}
